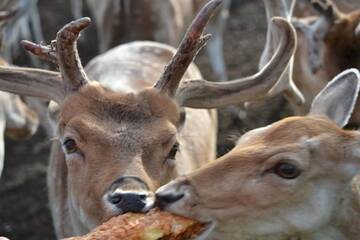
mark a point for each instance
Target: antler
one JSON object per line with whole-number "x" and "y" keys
{"x": 46, "y": 53}
{"x": 48, "y": 84}
{"x": 32, "y": 82}
{"x": 63, "y": 51}
{"x": 187, "y": 51}
{"x": 204, "y": 94}
{"x": 67, "y": 54}
{"x": 285, "y": 85}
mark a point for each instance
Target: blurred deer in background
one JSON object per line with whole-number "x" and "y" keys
{"x": 17, "y": 120}
{"x": 122, "y": 137}
{"x": 303, "y": 9}
{"x": 165, "y": 21}
{"x": 327, "y": 44}
{"x": 24, "y": 25}
{"x": 294, "y": 179}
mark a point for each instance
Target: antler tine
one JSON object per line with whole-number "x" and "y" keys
{"x": 204, "y": 94}
{"x": 187, "y": 51}
{"x": 46, "y": 53}
{"x": 67, "y": 55}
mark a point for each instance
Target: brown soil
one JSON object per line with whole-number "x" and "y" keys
{"x": 24, "y": 212}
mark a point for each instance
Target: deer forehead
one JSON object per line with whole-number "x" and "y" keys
{"x": 104, "y": 104}
{"x": 291, "y": 138}
{"x": 300, "y": 127}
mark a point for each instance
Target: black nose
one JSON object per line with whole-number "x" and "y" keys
{"x": 128, "y": 202}
{"x": 162, "y": 200}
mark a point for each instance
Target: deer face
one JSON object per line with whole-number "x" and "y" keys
{"x": 271, "y": 182}
{"x": 284, "y": 179}
{"x": 118, "y": 148}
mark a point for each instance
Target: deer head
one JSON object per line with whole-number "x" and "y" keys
{"x": 288, "y": 179}
{"x": 120, "y": 147}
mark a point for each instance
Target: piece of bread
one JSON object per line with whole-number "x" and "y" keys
{"x": 155, "y": 225}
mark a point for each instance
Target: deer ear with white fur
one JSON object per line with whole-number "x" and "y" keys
{"x": 337, "y": 100}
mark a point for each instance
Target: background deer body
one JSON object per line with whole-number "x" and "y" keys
{"x": 121, "y": 21}
{"x": 294, "y": 179}
{"x": 17, "y": 120}
{"x": 327, "y": 44}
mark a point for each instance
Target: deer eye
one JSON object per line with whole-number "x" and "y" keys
{"x": 287, "y": 170}
{"x": 173, "y": 151}
{"x": 70, "y": 146}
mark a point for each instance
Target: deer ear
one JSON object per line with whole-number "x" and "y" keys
{"x": 337, "y": 100}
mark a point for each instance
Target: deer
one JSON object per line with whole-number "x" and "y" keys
{"x": 17, "y": 120}
{"x": 25, "y": 24}
{"x": 304, "y": 10}
{"x": 327, "y": 44}
{"x": 297, "y": 178}
{"x": 125, "y": 125}
{"x": 121, "y": 21}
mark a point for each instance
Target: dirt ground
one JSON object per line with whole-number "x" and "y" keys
{"x": 24, "y": 212}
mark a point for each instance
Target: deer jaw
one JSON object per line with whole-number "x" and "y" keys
{"x": 254, "y": 201}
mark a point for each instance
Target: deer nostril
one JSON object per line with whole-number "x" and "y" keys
{"x": 115, "y": 198}
{"x": 142, "y": 196}
{"x": 129, "y": 202}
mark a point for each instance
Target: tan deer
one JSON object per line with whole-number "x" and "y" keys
{"x": 327, "y": 44}
{"x": 126, "y": 134}
{"x": 165, "y": 21}
{"x": 17, "y": 120}
{"x": 294, "y": 179}
{"x": 303, "y": 9}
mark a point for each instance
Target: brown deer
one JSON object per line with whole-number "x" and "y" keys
{"x": 17, "y": 120}
{"x": 165, "y": 21}
{"x": 294, "y": 179}
{"x": 327, "y": 44}
{"x": 303, "y": 9}
{"x": 129, "y": 132}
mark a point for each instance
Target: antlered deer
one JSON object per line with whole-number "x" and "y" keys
{"x": 17, "y": 120}
{"x": 293, "y": 179}
{"x": 119, "y": 136}
{"x": 165, "y": 21}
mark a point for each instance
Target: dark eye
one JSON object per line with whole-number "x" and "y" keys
{"x": 70, "y": 146}
{"x": 173, "y": 151}
{"x": 287, "y": 170}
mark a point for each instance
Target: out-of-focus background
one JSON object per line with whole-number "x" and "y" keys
{"x": 24, "y": 212}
